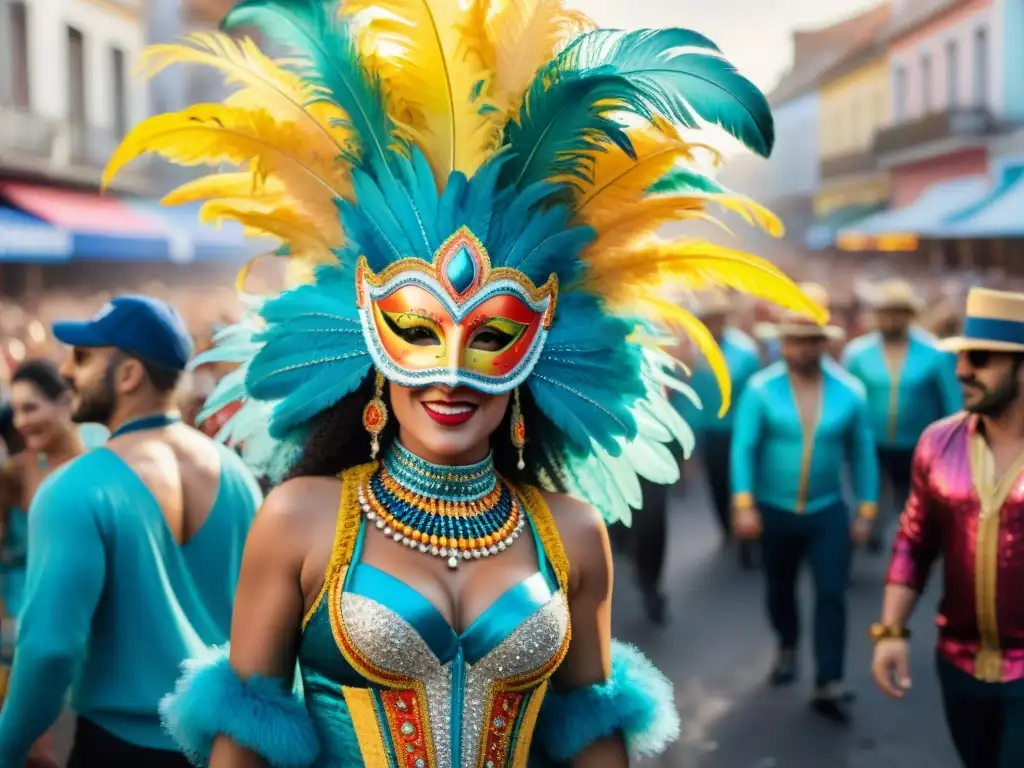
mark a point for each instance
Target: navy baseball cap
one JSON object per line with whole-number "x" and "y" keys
{"x": 142, "y": 326}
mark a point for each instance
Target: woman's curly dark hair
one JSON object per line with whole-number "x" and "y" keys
{"x": 338, "y": 442}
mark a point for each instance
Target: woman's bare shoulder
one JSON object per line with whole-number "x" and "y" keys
{"x": 575, "y": 519}
{"x": 584, "y": 537}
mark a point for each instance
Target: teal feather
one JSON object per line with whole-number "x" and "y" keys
{"x": 680, "y": 180}
{"x": 680, "y": 75}
{"x": 564, "y": 118}
{"x": 312, "y": 29}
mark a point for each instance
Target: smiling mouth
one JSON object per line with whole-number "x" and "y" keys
{"x": 450, "y": 414}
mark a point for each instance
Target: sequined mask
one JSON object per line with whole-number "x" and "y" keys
{"x": 456, "y": 321}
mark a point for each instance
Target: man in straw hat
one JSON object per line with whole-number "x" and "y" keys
{"x": 799, "y": 422}
{"x": 966, "y": 505}
{"x": 714, "y": 433}
{"x": 909, "y": 384}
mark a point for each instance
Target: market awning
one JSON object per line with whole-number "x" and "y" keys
{"x": 822, "y": 234}
{"x": 997, "y": 215}
{"x": 901, "y": 228}
{"x": 24, "y": 238}
{"x": 101, "y": 226}
{"x": 225, "y": 243}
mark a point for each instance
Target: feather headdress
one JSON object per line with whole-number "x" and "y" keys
{"x": 489, "y": 148}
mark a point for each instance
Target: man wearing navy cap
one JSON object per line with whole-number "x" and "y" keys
{"x": 134, "y": 549}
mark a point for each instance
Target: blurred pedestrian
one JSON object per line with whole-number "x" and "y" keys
{"x": 133, "y": 552}
{"x": 713, "y": 428}
{"x": 41, "y": 414}
{"x": 909, "y": 384}
{"x": 799, "y": 422}
{"x": 966, "y": 507}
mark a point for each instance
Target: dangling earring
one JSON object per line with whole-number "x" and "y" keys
{"x": 375, "y": 416}
{"x": 518, "y": 429}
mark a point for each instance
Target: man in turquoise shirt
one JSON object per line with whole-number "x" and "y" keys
{"x": 714, "y": 432}
{"x": 133, "y": 550}
{"x": 910, "y": 383}
{"x": 799, "y": 422}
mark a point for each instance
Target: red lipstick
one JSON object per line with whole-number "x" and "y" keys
{"x": 450, "y": 414}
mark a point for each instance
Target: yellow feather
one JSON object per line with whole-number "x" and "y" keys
{"x": 212, "y": 134}
{"x": 637, "y": 222}
{"x": 432, "y": 71}
{"x": 526, "y": 34}
{"x": 661, "y": 267}
{"x": 619, "y": 180}
{"x": 283, "y": 223}
{"x": 672, "y": 315}
{"x": 234, "y": 184}
{"x": 625, "y": 223}
{"x": 267, "y": 84}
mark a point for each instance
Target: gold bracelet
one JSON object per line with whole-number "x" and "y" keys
{"x": 868, "y": 510}
{"x": 879, "y": 632}
{"x": 743, "y": 500}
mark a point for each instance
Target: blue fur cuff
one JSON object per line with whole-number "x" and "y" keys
{"x": 635, "y": 701}
{"x": 259, "y": 714}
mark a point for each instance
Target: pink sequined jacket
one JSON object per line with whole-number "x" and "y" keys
{"x": 957, "y": 510}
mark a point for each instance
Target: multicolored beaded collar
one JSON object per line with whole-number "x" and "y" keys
{"x": 460, "y": 513}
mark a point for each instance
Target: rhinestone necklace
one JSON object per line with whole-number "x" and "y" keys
{"x": 459, "y": 513}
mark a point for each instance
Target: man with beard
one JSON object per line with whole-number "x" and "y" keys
{"x": 966, "y": 505}
{"x": 133, "y": 549}
{"x": 909, "y": 384}
{"x": 799, "y": 423}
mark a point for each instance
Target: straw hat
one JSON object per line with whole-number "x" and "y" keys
{"x": 994, "y": 322}
{"x": 796, "y": 326}
{"x": 894, "y": 295}
{"x": 714, "y": 302}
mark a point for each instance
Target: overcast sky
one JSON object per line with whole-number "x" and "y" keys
{"x": 754, "y": 34}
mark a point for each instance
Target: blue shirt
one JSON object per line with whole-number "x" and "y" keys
{"x": 113, "y": 604}
{"x": 924, "y": 390}
{"x": 742, "y": 358}
{"x": 777, "y": 463}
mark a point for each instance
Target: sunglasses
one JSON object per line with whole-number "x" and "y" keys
{"x": 979, "y": 358}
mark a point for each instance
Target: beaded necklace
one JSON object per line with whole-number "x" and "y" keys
{"x": 459, "y": 513}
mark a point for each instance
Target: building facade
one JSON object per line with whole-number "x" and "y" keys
{"x": 855, "y": 103}
{"x": 67, "y": 94}
{"x": 948, "y": 95}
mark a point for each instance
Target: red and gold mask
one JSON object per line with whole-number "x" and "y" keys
{"x": 456, "y": 321}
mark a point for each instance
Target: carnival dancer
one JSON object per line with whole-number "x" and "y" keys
{"x": 909, "y": 384}
{"x": 799, "y": 423}
{"x": 133, "y": 549}
{"x": 713, "y": 427}
{"x": 966, "y": 506}
{"x": 488, "y": 312}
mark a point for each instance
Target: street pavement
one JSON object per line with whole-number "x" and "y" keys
{"x": 717, "y": 650}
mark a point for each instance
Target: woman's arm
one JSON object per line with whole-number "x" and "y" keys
{"x": 588, "y": 661}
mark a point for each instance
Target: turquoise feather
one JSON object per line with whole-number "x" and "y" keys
{"x": 311, "y": 28}
{"x": 563, "y": 119}
{"x": 680, "y": 75}
{"x": 682, "y": 180}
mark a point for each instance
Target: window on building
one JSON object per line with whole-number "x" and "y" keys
{"x": 18, "y": 19}
{"x": 899, "y": 95}
{"x": 927, "y": 96}
{"x": 120, "y": 77}
{"x": 76, "y": 76}
{"x": 981, "y": 67}
{"x": 952, "y": 74}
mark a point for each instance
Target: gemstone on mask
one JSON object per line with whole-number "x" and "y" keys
{"x": 462, "y": 269}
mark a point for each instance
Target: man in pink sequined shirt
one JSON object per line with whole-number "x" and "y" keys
{"x": 967, "y": 505}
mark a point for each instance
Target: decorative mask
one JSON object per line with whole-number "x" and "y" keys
{"x": 456, "y": 321}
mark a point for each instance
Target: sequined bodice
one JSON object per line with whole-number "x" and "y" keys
{"x": 389, "y": 682}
